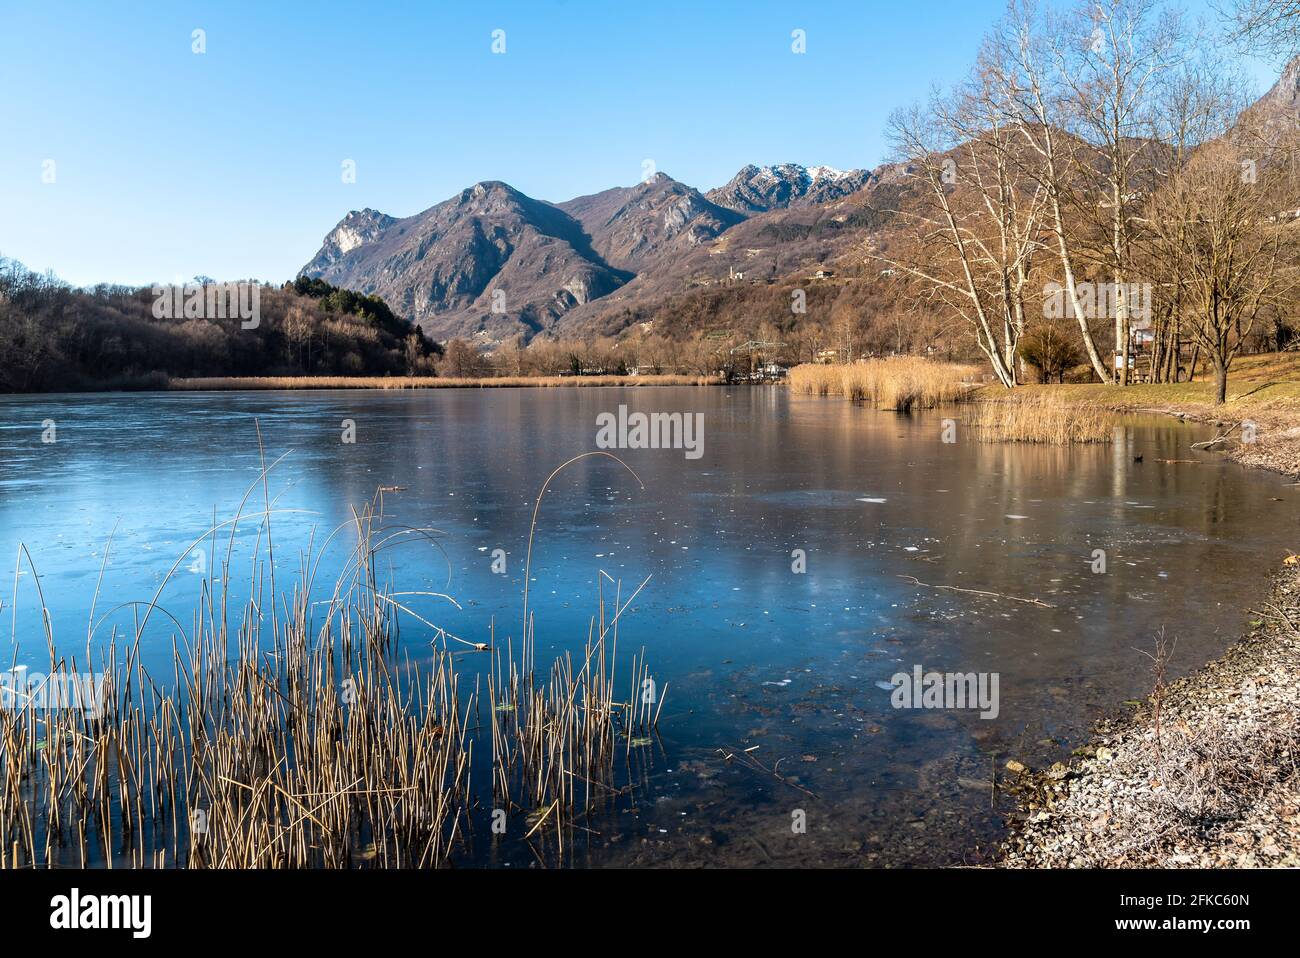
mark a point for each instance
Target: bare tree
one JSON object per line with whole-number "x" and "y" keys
{"x": 977, "y": 224}
{"x": 1214, "y": 239}
{"x": 1114, "y": 76}
{"x": 414, "y": 352}
{"x": 461, "y": 360}
{"x": 1198, "y": 101}
{"x": 1272, "y": 26}
{"x": 1032, "y": 75}
{"x": 298, "y": 329}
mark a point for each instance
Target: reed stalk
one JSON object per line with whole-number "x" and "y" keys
{"x": 900, "y": 383}
{"x": 294, "y": 732}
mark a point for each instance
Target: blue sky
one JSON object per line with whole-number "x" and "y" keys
{"x": 170, "y": 164}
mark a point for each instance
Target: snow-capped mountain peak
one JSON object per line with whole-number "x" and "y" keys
{"x": 757, "y": 189}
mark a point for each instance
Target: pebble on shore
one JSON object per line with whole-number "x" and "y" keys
{"x": 1217, "y": 786}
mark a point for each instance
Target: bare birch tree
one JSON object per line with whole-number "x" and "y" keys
{"x": 977, "y": 225}
{"x": 1114, "y": 76}
{"x": 1037, "y": 97}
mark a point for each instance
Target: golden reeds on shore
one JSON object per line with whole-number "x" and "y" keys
{"x": 429, "y": 382}
{"x": 298, "y": 738}
{"x": 904, "y": 383}
{"x": 1042, "y": 418}
{"x": 901, "y": 383}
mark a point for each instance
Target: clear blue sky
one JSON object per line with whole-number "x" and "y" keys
{"x": 170, "y": 164}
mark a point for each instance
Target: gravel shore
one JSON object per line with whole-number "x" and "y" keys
{"x": 1276, "y": 442}
{"x": 1203, "y": 776}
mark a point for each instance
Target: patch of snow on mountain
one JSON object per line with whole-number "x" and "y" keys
{"x": 826, "y": 173}
{"x": 347, "y": 239}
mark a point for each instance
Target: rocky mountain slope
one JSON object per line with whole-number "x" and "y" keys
{"x": 633, "y": 227}
{"x": 760, "y": 189}
{"x": 1273, "y": 118}
{"x": 492, "y": 263}
{"x": 489, "y": 262}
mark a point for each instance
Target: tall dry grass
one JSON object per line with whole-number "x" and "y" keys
{"x": 1042, "y": 418}
{"x": 903, "y": 383}
{"x": 293, "y": 733}
{"x": 899, "y": 382}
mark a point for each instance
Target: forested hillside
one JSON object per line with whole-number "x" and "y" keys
{"x": 55, "y": 337}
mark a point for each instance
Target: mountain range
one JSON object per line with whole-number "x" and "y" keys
{"x": 491, "y": 263}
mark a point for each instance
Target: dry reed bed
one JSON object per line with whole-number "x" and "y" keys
{"x": 319, "y": 748}
{"x": 904, "y": 383}
{"x": 899, "y": 382}
{"x": 1043, "y": 419}
{"x": 428, "y": 382}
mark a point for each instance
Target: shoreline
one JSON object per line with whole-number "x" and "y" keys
{"x": 1275, "y": 447}
{"x": 236, "y": 383}
{"x": 1206, "y": 778}
{"x": 1205, "y": 771}
{"x": 1207, "y": 775}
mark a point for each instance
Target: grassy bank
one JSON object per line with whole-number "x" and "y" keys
{"x": 1269, "y": 381}
{"x": 1263, "y": 394}
{"x": 428, "y": 382}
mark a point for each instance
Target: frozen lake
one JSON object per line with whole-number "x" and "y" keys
{"x": 784, "y": 564}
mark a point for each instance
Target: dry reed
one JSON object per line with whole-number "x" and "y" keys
{"x": 1044, "y": 419}
{"x": 903, "y": 383}
{"x": 899, "y": 382}
{"x": 315, "y": 746}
